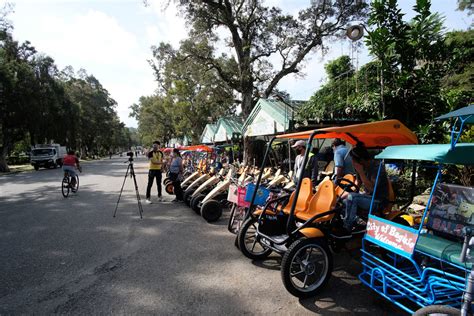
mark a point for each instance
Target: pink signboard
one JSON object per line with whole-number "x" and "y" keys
{"x": 397, "y": 237}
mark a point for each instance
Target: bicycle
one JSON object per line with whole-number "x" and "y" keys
{"x": 66, "y": 184}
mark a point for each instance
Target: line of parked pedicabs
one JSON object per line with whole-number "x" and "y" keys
{"x": 420, "y": 263}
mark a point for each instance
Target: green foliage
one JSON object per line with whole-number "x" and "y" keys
{"x": 40, "y": 104}
{"x": 466, "y": 5}
{"x": 339, "y": 67}
{"x": 260, "y": 34}
{"x": 418, "y": 73}
{"x": 353, "y": 95}
{"x": 189, "y": 94}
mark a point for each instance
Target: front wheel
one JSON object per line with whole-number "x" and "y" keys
{"x": 169, "y": 188}
{"x": 249, "y": 242}
{"x": 306, "y": 267}
{"x": 65, "y": 187}
{"x": 439, "y": 310}
{"x": 211, "y": 211}
{"x": 187, "y": 197}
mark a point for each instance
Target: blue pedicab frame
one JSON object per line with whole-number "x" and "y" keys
{"x": 403, "y": 278}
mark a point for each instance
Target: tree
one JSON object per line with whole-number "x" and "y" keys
{"x": 341, "y": 66}
{"x": 188, "y": 95}
{"x": 16, "y": 76}
{"x": 411, "y": 58}
{"x": 347, "y": 94}
{"x": 466, "y": 5}
{"x": 258, "y": 33}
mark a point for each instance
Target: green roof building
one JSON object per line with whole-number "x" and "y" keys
{"x": 270, "y": 117}
{"x": 226, "y": 128}
{"x": 207, "y": 136}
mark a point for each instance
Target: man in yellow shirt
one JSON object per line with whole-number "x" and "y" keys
{"x": 155, "y": 157}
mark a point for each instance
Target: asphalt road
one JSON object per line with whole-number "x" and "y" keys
{"x": 71, "y": 256}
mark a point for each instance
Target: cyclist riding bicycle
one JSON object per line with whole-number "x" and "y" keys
{"x": 70, "y": 161}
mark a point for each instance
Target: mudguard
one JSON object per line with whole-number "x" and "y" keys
{"x": 311, "y": 232}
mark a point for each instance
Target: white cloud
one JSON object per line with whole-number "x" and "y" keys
{"x": 169, "y": 27}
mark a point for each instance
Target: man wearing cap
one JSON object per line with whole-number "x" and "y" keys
{"x": 342, "y": 159}
{"x": 311, "y": 168}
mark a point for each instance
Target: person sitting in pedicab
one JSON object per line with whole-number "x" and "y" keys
{"x": 367, "y": 169}
{"x": 311, "y": 168}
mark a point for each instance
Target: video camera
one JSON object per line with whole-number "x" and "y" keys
{"x": 130, "y": 156}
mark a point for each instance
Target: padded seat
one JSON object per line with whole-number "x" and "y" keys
{"x": 441, "y": 248}
{"x": 324, "y": 200}
{"x": 306, "y": 193}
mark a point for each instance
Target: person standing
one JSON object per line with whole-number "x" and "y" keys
{"x": 176, "y": 172}
{"x": 342, "y": 159}
{"x": 311, "y": 168}
{"x": 155, "y": 156}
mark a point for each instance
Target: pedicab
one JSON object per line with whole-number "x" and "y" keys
{"x": 308, "y": 225}
{"x": 427, "y": 267}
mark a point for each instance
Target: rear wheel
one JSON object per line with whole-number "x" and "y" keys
{"x": 438, "y": 310}
{"x": 306, "y": 267}
{"x": 195, "y": 203}
{"x": 211, "y": 211}
{"x": 249, "y": 242}
{"x": 65, "y": 186}
{"x": 36, "y": 167}
{"x": 76, "y": 187}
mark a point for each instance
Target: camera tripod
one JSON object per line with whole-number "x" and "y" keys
{"x": 130, "y": 171}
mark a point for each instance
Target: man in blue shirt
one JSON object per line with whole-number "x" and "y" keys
{"x": 342, "y": 159}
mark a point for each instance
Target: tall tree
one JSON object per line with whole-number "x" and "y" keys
{"x": 259, "y": 34}
{"x": 16, "y": 76}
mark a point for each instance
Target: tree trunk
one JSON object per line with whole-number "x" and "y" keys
{"x": 3, "y": 160}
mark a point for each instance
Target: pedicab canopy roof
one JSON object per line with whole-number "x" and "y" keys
{"x": 373, "y": 135}
{"x": 462, "y": 154}
{"x": 466, "y": 112}
{"x": 196, "y": 148}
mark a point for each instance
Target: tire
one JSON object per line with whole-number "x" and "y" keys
{"x": 187, "y": 197}
{"x": 247, "y": 241}
{"x": 36, "y": 167}
{"x": 65, "y": 187}
{"x": 169, "y": 188}
{"x": 298, "y": 258}
{"x": 166, "y": 181}
{"x": 437, "y": 310}
{"x": 211, "y": 211}
{"x": 195, "y": 203}
{"x": 76, "y": 187}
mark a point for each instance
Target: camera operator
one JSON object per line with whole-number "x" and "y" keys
{"x": 155, "y": 157}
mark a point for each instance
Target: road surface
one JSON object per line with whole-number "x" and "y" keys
{"x": 71, "y": 256}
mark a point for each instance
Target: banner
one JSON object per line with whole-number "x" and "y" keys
{"x": 391, "y": 234}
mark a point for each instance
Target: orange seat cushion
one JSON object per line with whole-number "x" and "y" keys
{"x": 306, "y": 193}
{"x": 324, "y": 200}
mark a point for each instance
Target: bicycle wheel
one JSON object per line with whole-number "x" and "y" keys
{"x": 76, "y": 187}
{"x": 437, "y": 310}
{"x": 65, "y": 186}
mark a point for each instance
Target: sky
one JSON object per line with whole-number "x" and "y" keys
{"x": 112, "y": 39}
